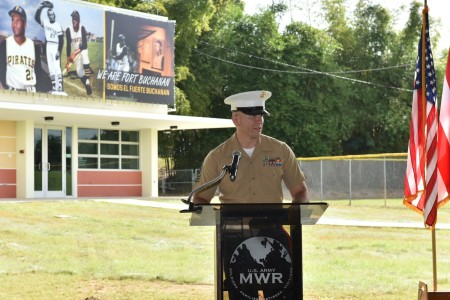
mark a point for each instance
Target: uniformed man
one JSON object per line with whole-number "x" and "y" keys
{"x": 54, "y": 40}
{"x": 20, "y": 66}
{"x": 77, "y": 51}
{"x": 265, "y": 162}
{"x": 121, "y": 55}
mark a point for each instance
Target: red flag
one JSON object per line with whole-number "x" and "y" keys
{"x": 421, "y": 172}
{"x": 444, "y": 140}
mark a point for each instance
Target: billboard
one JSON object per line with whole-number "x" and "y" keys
{"x": 86, "y": 50}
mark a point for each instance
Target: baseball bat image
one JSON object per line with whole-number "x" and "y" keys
{"x": 112, "y": 35}
{"x": 67, "y": 67}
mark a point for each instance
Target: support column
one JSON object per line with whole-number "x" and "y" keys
{"x": 25, "y": 161}
{"x": 74, "y": 161}
{"x": 149, "y": 162}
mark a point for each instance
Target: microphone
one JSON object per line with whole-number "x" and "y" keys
{"x": 234, "y": 165}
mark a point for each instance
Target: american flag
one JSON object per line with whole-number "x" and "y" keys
{"x": 421, "y": 171}
{"x": 444, "y": 140}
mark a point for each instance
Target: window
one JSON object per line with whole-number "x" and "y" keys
{"x": 108, "y": 149}
{"x": 88, "y": 134}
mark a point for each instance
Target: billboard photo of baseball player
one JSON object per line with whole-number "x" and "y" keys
{"x": 20, "y": 64}
{"x": 77, "y": 51}
{"x": 145, "y": 72}
{"x": 120, "y": 55}
{"x": 42, "y": 28}
{"x": 54, "y": 41}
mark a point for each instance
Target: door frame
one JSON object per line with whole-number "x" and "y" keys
{"x": 45, "y": 193}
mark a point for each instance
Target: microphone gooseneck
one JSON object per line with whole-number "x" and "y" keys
{"x": 234, "y": 165}
{"x": 232, "y": 169}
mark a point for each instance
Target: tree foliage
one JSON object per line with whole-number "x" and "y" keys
{"x": 342, "y": 89}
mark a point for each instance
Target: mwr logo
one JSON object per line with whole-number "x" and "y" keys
{"x": 261, "y": 264}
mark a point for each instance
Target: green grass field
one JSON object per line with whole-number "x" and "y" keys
{"x": 73, "y": 85}
{"x": 87, "y": 249}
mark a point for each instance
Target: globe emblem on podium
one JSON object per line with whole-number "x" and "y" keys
{"x": 261, "y": 265}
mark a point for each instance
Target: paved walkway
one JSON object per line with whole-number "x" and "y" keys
{"x": 323, "y": 220}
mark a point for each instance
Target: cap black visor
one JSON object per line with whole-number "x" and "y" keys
{"x": 253, "y": 111}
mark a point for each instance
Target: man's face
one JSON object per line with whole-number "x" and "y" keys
{"x": 75, "y": 23}
{"x": 248, "y": 125}
{"x": 18, "y": 25}
{"x": 51, "y": 16}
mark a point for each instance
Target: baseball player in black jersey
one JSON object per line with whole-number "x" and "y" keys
{"x": 121, "y": 55}
{"x": 77, "y": 51}
{"x": 20, "y": 67}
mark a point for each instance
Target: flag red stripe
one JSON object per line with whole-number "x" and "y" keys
{"x": 443, "y": 140}
{"x": 430, "y": 209}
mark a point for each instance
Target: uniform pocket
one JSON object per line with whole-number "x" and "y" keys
{"x": 272, "y": 172}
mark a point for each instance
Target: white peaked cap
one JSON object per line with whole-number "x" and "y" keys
{"x": 250, "y": 103}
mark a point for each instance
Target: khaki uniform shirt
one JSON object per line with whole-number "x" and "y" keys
{"x": 259, "y": 177}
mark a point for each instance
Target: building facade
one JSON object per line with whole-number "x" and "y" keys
{"x": 58, "y": 147}
{"x": 84, "y": 90}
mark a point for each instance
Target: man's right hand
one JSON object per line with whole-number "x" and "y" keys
{"x": 73, "y": 55}
{"x": 67, "y": 67}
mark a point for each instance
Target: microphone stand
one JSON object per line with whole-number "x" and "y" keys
{"x": 192, "y": 206}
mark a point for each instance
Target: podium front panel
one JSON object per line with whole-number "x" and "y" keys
{"x": 256, "y": 259}
{"x": 258, "y": 247}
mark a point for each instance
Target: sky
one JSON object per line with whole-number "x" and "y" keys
{"x": 305, "y": 9}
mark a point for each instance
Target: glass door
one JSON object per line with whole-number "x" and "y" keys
{"x": 49, "y": 162}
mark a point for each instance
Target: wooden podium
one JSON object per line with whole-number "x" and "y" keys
{"x": 258, "y": 247}
{"x": 424, "y": 294}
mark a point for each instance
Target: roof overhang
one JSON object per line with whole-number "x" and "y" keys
{"x": 102, "y": 117}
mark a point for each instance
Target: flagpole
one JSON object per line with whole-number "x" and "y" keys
{"x": 433, "y": 231}
{"x": 424, "y": 116}
{"x": 433, "y": 242}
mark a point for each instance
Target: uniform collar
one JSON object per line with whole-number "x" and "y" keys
{"x": 260, "y": 147}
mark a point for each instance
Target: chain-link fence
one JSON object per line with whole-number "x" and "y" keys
{"x": 177, "y": 182}
{"x": 328, "y": 178}
{"x": 355, "y": 177}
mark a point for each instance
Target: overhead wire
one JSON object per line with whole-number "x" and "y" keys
{"x": 308, "y": 71}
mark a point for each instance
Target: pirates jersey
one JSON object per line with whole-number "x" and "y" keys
{"x": 76, "y": 38}
{"x": 20, "y": 61}
{"x": 52, "y": 31}
{"x": 119, "y": 51}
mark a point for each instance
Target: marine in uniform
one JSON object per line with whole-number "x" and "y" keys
{"x": 265, "y": 162}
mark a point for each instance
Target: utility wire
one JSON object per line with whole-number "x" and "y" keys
{"x": 309, "y": 71}
{"x": 332, "y": 72}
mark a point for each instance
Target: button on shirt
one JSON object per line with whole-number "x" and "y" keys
{"x": 259, "y": 177}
